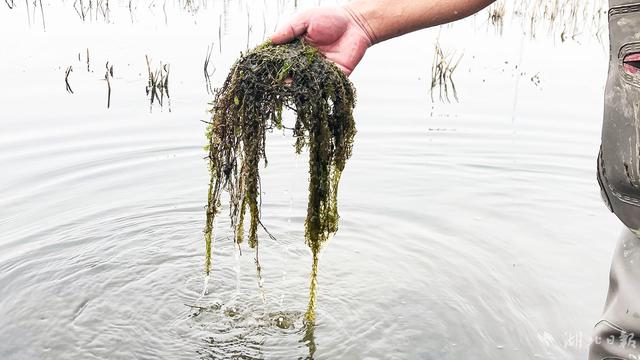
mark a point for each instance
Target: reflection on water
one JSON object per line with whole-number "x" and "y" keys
{"x": 470, "y": 229}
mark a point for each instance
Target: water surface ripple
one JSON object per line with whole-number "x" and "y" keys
{"x": 468, "y": 230}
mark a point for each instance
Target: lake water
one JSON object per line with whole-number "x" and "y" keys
{"x": 471, "y": 229}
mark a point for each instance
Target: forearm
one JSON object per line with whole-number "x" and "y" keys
{"x": 386, "y": 19}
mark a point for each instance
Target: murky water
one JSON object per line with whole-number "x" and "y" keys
{"x": 468, "y": 230}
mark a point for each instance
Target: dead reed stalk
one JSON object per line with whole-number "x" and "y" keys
{"x": 442, "y": 71}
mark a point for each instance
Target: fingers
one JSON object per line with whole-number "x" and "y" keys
{"x": 293, "y": 29}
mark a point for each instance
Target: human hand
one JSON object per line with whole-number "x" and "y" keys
{"x": 337, "y": 32}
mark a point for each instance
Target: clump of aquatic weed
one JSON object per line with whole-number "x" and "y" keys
{"x": 260, "y": 85}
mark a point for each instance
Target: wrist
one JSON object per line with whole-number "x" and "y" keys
{"x": 359, "y": 18}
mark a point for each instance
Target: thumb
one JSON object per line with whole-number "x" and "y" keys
{"x": 291, "y": 30}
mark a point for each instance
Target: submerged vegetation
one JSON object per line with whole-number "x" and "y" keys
{"x": 108, "y": 75}
{"x": 92, "y": 10}
{"x": 561, "y": 19}
{"x": 566, "y": 19}
{"x": 207, "y": 73}
{"x": 260, "y": 86}
{"x": 67, "y": 72}
{"x": 157, "y": 84}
